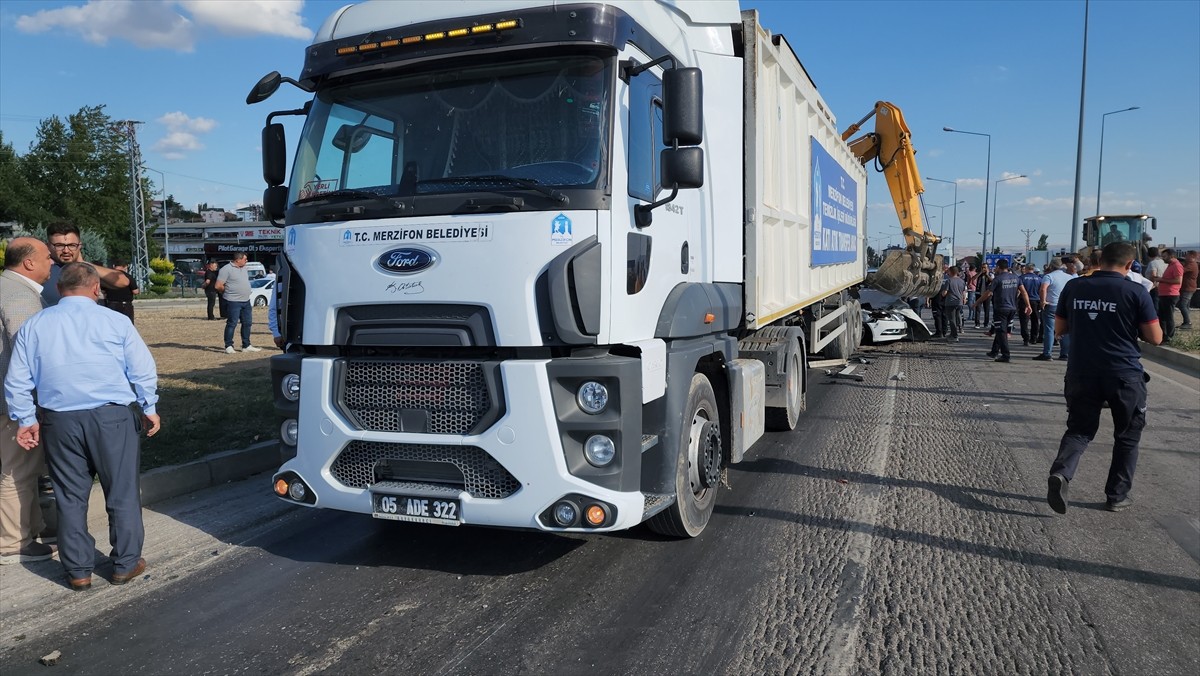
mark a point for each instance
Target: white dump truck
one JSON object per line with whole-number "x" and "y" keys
{"x": 553, "y": 266}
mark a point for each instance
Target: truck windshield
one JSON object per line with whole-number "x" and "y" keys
{"x": 1114, "y": 229}
{"x": 518, "y": 126}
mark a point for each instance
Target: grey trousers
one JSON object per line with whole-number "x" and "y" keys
{"x": 101, "y": 441}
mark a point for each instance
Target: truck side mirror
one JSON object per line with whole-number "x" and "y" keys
{"x": 683, "y": 107}
{"x": 274, "y": 154}
{"x": 275, "y": 202}
{"x": 1153, "y": 223}
{"x": 682, "y": 167}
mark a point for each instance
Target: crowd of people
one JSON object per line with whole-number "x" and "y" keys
{"x": 1095, "y": 310}
{"x": 74, "y": 368}
{"x": 80, "y": 385}
{"x": 971, "y": 294}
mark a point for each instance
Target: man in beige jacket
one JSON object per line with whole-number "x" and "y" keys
{"x": 26, "y": 268}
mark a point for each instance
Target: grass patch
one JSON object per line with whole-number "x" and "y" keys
{"x": 211, "y": 411}
{"x": 1186, "y": 341}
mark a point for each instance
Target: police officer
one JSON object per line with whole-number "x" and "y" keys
{"x": 1104, "y": 314}
{"x": 1005, "y": 289}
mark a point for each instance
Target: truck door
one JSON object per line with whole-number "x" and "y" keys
{"x": 658, "y": 257}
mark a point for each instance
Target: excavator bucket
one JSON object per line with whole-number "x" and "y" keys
{"x": 907, "y": 274}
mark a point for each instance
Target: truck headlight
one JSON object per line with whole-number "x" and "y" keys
{"x": 289, "y": 386}
{"x": 599, "y": 450}
{"x": 289, "y": 431}
{"x": 592, "y": 397}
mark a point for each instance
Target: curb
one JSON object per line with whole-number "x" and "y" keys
{"x": 172, "y": 481}
{"x": 1171, "y": 356}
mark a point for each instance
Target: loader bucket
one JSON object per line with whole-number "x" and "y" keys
{"x": 907, "y": 274}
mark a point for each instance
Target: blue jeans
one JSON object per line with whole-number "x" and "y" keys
{"x": 1048, "y": 334}
{"x": 235, "y": 312}
{"x": 971, "y": 296}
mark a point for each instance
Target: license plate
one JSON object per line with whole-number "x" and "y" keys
{"x": 445, "y": 511}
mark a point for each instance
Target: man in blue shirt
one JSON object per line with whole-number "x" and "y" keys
{"x": 1031, "y": 281}
{"x": 1004, "y": 292}
{"x": 88, "y": 364}
{"x": 1052, "y": 285}
{"x": 1104, "y": 314}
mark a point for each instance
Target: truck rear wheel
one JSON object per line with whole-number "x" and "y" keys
{"x": 784, "y": 419}
{"x": 697, "y": 465}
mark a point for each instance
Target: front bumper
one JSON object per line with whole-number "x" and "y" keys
{"x": 515, "y": 465}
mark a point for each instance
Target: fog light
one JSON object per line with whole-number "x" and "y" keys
{"x": 297, "y": 491}
{"x": 599, "y": 450}
{"x": 289, "y": 431}
{"x": 281, "y": 487}
{"x": 289, "y": 386}
{"x": 565, "y": 514}
{"x": 592, "y": 397}
{"x": 595, "y": 515}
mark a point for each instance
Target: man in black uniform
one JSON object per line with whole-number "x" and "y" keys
{"x": 1104, "y": 314}
{"x": 210, "y": 288}
{"x": 1005, "y": 290}
{"x": 121, "y": 299}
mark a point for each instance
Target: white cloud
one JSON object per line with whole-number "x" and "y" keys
{"x": 149, "y": 25}
{"x": 158, "y": 24}
{"x": 971, "y": 182}
{"x": 251, "y": 17}
{"x": 180, "y": 121}
{"x": 1052, "y": 203}
{"x": 182, "y": 133}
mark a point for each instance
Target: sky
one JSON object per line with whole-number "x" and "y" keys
{"x": 1008, "y": 69}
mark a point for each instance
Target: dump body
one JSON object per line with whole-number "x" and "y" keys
{"x": 805, "y": 191}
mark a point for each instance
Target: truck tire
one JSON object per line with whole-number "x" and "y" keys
{"x": 695, "y": 490}
{"x": 784, "y": 419}
{"x": 855, "y": 319}
{"x": 840, "y": 348}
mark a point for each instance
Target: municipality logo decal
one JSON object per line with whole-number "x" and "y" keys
{"x": 1093, "y": 315}
{"x": 561, "y": 231}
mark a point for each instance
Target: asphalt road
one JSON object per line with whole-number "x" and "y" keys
{"x": 901, "y": 529}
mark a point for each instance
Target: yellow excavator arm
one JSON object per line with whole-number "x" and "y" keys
{"x": 917, "y": 270}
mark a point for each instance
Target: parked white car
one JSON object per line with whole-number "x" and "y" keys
{"x": 260, "y": 292}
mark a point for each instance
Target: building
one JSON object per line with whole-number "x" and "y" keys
{"x": 260, "y": 240}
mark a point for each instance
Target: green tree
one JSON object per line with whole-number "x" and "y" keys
{"x": 1042, "y": 244}
{"x": 17, "y": 203}
{"x": 78, "y": 171}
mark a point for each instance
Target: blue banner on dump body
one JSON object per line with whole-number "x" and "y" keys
{"x": 834, "y": 210}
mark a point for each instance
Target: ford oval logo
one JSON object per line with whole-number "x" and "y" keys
{"x": 408, "y": 260}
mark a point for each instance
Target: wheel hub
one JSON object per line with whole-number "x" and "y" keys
{"x": 710, "y": 454}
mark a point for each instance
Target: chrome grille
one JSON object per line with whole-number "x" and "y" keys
{"x": 483, "y": 476}
{"x": 453, "y": 393}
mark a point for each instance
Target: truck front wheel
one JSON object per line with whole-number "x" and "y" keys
{"x": 697, "y": 465}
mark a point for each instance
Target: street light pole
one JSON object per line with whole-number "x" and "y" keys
{"x": 987, "y": 182}
{"x": 1100, "y": 170}
{"x": 994, "y": 201}
{"x": 166, "y": 226}
{"x": 954, "y": 226}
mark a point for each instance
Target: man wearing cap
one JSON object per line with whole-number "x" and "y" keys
{"x": 1052, "y": 286}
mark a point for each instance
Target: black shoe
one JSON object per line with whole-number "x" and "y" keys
{"x": 1118, "y": 505}
{"x": 1056, "y": 493}
{"x": 1024, "y": 343}
{"x": 992, "y": 354}
{"x": 1043, "y": 357}
{"x": 1062, "y": 357}
{"x": 1004, "y": 358}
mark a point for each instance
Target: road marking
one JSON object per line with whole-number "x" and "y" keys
{"x": 1185, "y": 531}
{"x": 846, "y": 631}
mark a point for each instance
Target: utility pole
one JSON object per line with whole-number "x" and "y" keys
{"x": 139, "y": 265}
{"x": 1028, "y": 234}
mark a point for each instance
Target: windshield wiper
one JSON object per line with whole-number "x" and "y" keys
{"x": 501, "y": 178}
{"x": 344, "y": 195}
